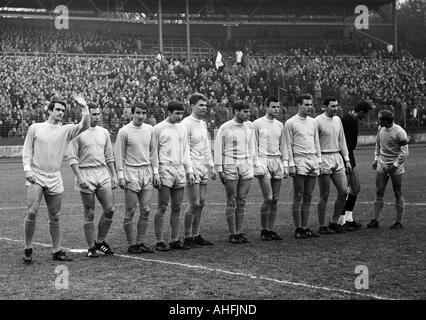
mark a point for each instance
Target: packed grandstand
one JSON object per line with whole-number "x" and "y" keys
{"x": 115, "y": 69}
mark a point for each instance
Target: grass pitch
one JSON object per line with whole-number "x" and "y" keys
{"x": 322, "y": 268}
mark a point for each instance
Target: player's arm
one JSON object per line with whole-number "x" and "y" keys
{"x": 110, "y": 160}
{"x": 208, "y": 158}
{"x": 154, "y": 157}
{"x": 317, "y": 144}
{"x": 289, "y": 160}
{"x": 120, "y": 149}
{"x": 344, "y": 147}
{"x": 251, "y": 148}
{"x": 84, "y": 123}
{"x": 376, "y": 150}
{"x": 256, "y": 161}
{"x": 403, "y": 153}
{"x": 27, "y": 154}
{"x": 73, "y": 159}
{"x": 218, "y": 154}
{"x": 284, "y": 152}
{"x": 187, "y": 163}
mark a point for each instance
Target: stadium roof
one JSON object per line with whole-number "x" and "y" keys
{"x": 176, "y": 6}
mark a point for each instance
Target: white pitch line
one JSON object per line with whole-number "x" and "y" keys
{"x": 227, "y": 272}
{"x": 414, "y": 204}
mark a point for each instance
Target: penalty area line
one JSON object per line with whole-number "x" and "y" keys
{"x": 227, "y": 272}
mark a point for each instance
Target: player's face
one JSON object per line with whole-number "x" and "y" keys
{"x": 175, "y": 116}
{"x": 274, "y": 109}
{"x": 58, "y": 112}
{"x": 306, "y": 108}
{"x": 382, "y": 122}
{"x": 95, "y": 116}
{"x": 139, "y": 116}
{"x": 200, "y": 108}
{"x": 243, "y": 115}
{"x": 332, "y": 108}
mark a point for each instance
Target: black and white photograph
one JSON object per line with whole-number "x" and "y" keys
{"x": 216, "y": 157}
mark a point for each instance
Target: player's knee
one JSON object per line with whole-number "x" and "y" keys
{"x": 297, "y": 196}
{"x": 398, "y": 194}
{"x": 89, "y": 216}
{"x": 31, "y": 214}
{"x": 129, "y": 213}
{"x": 109, "y": 213}
{"x": 324, "y": 195}
{"x": 342, "y": 193}
{"x": 145, "y": 211}
{"x": 231, "y": 203}
{"x": 175, "y": 210}
{"x": 380, "y": 193}
{"x": 161, "y": 210}
{"x": 241, "y": 203}
{"x": 195, "y": 206}
{"x": 201, "y": 204}
{"x": 54, "y": 217}
{"x": 307, "y": 198}
{"x": 267, "y": 203}
{"x": 355, "y": 190}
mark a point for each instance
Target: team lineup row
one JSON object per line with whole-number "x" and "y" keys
{"x": 176, "y": 154}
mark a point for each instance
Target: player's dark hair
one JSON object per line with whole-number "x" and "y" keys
{"x": 363, "y": 106}
{"x": 303, "y": 96}
{"x": 51, "y": 105}
{"x": 387, "y": 116}
{"x": 140, "y": 105}
{"x": 174, "y": 105}
{"x": 270, "y": 99}
{"x": 240, "y": 105}
{"x": 91, "y": 105}
{"x": 194, "y": 98}
{"x": 328, "y": 99}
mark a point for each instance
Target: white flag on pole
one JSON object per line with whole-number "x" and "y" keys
{"x": 219, "y": 62}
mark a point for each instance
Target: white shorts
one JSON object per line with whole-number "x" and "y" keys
{"x": 307, "y": 165}
{"x": 384, "y": 164}
{"x": 238, "y": 169}
{"x": 95, "y": 177}
{"x": 138, "y": 178}
{"x": 50, "y": 182}
{"x": 172, "y": 176}
{"x": 331, "y": 162}
{"x": 201, "y": 172}
{"x": 272, "y": 168}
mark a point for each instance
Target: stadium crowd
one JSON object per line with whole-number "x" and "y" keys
{"x": 27, "y": 83}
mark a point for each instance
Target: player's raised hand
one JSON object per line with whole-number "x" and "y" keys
{"x": 79, "y": 99}
{"x": 29, "y": 176}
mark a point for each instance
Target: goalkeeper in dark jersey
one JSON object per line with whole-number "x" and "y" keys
{"x": 350, "y": 126}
